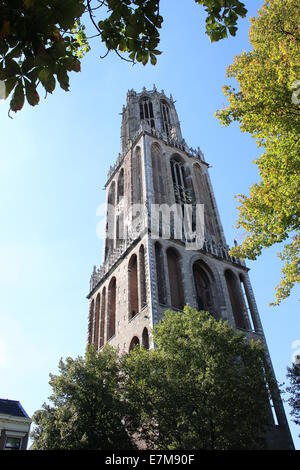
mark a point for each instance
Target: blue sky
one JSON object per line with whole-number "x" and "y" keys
{"x": 53, "y": 165}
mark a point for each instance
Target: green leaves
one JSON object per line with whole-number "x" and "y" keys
{"x": 132, "y": 27}
{"x": 202, "y": 387}
{"x": 86, "y": 408}
{"x": 38, "y": 41}
{"x": 11, "y": 67}
{"x": 17, "y": 101}
{"x": 293, "y": 374}
{"x": 290, "y": 270}
{"x": 62, "y": 77}
{"x": 264, "y": 107}
{"x": 222, "y": 17}
{"x": 49, "y": 33}
{"x": 10, "y": 84}
{"x": 32, "y": 95}
{"x": 191, "y": 392}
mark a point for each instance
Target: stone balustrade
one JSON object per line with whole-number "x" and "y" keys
{"x": 209, "y": 246}
{"x": 173, "y": 142}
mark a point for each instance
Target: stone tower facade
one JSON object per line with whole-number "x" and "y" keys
{"x": 148, "y": 266}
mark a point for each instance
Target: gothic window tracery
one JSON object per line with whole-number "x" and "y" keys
{"x": 158, "y": 174}
{"x": 146, "y": 112}
{"x": 120, "y": 185}
{"x": 183, "y": 194}
{"x": 203, "y": 287}
{"x": 136, "y": 177}
{"x": 165, "y": 114}
{"x": 120, "y": 230}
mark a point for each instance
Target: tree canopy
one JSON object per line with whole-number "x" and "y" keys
{"x": 42, "y": 41}
{"x": 204, "y": 386}
{"x": 294, "y": 390}
{"x": 266, "y": 104}
{"x": 86, "y": 407}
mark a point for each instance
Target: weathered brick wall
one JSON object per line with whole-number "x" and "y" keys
{"x": 125, "y": 326}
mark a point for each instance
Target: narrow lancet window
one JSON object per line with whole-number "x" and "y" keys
{"x": 146, "y": 112}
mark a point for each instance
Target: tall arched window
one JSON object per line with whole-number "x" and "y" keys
{"x": 133, "y": 287}
{"x": 159, "y": 187}
{"x": 91, "y": 322}
{"x": 110, "y": 218}
{"x": 175, "y": 278}
{"x": 146, "y": 112}
{"x": 160, "y": 274}
{"x": 165, "y": 114}
{"x": 236, "y": 300}
{"x": 184, "y": 197}
{"x": 120, "y": 185}
{"x": 97, "y": 320}
{"x": 102, "y": 320}
{"x": 179, "y": 180}
{"x": 120, "y": 231}
{"x": 204, "y": 197}
{"x": 145, "y": 338}
{"x": 203, "y": 288}
{"x": 190, "y": 198}
{"x": 177, "y": 168}
{"x": 142, "y": 272}
{"x": 134, "y": 342}
{"x": 136, "y": 177}
{"x": 111, "y": 320}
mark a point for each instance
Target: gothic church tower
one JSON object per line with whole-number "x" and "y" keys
{"x": 144, "y": 273}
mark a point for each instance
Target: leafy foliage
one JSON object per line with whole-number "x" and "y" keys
{"x": 42, "y": 41}
{"x": 86, "y": 406}
{"x": 267, "y": 106}
{"x": 294, "y": 391}
{"x": 201, "y": 388}
{"x": 222, "y": 17}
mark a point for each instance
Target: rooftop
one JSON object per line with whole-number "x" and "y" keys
{"x": 12, "y": 408}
